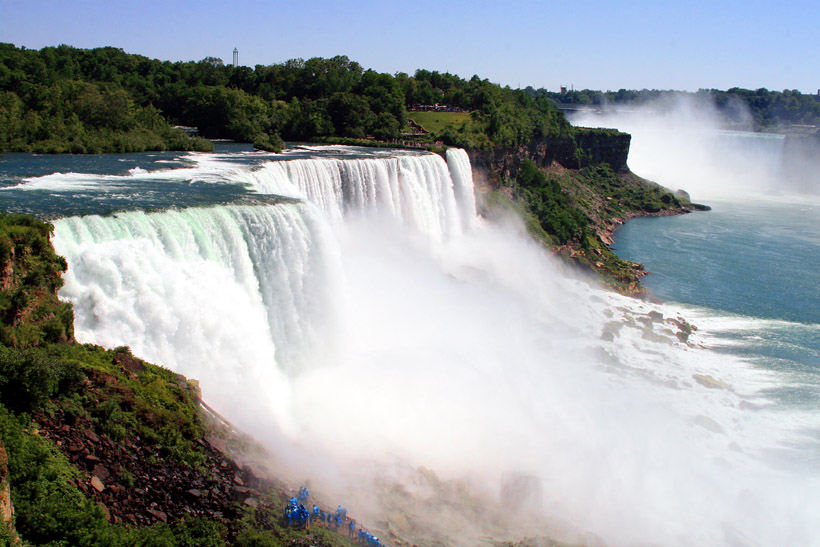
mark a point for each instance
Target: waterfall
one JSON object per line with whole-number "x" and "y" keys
{"x": 227, "y": 293}
{"x": 421, "y": 190}
{"x": 222, "y": 294}
{"x": 459, "y": 164}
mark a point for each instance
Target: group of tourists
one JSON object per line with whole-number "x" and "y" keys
{"x": 366, "y": 538}
{"x": 298, "y": 516}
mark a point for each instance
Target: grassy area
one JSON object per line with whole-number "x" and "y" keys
{"x": 436, "y": 121}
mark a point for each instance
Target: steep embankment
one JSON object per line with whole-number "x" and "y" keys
{"x": 573, "y": 192}
{"x": 105, "y": 449}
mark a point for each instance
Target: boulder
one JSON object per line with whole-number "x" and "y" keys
{"x": 712, "y": 383}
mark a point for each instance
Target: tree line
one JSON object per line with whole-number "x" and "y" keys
{"x": 757, "y": 110}
{"x": 66, "y": 99}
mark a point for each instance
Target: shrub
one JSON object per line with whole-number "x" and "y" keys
{"x": 29, "y": 377}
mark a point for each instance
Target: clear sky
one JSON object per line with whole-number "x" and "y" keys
{"x": 593, "y": 44}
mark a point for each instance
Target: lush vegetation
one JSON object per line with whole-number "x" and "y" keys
{"x": 30, "y": 274}
{"x": 557, "y": 215}
{"x": 572, "y": 211}
{"x": 64, "y": 99}
{"x": 758, "y": 109}
{"x": 47, "y": 105}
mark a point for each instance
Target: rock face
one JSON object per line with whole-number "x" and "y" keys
{"x": 503, "y": 162}
{"x": 603, "y": 146}
{"x": 134, "y": 486}
{"x": 5, "y": 496}
{"x": 6, "y": 509}
{"x": 587, "y": 147}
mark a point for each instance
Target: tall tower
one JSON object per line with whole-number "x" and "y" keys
{"x": 235, "y": 57}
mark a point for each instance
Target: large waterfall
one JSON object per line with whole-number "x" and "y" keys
{"x": 372, "y": 323}
{"x": 228, "y": 293}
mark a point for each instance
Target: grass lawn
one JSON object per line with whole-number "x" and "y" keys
{"x": 436, "y": 121}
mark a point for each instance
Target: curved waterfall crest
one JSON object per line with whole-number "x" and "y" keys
{"x": 421, "y": 190}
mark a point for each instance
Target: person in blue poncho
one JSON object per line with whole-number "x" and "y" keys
{"x": 304, "y": 517}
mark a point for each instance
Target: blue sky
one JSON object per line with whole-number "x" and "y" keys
{"x": 588, "y": 43}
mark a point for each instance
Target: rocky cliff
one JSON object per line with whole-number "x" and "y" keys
{"x": 584, "y": 192}
{"x": 586, "y": 147}
{"x": 606, "y": 146}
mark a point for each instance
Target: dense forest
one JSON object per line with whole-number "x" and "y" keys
{"x": 756, "y": 110}
{"x": 65, "y": 99}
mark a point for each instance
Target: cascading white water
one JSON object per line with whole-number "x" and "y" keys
{"x": 236, "y": 292}
{"x": 418, "y": 190}
{"x": 463, "y": 350}
{"x": 222, "y": 294}
{"x": 459, "y": 163}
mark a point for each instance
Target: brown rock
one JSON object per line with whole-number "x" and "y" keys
{"x": 97, "y": 484}
{"x": 101, "y": 472}
{"x": 712, "y": 383}
{"x": 216, "y": 443}
{"x": 106, "y": 511}
{"x": 5, "y": 491}
{"x": 91, "y": 436}
{"x": 157, "y": 514}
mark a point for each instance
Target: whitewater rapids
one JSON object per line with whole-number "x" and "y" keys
{"x": 378, "y": 319}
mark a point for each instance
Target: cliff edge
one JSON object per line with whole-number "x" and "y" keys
{"x": 573, "y": 192}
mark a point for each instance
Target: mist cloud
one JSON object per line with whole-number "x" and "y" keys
{"x": 681, "y": 143}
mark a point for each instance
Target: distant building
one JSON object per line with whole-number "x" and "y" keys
{"x": 235, "y": 57}
{"x": 434, "y": 108}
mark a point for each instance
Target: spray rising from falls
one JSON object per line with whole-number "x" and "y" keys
{"x": 379, "y": 325}
{"x": 682, "y": 143}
